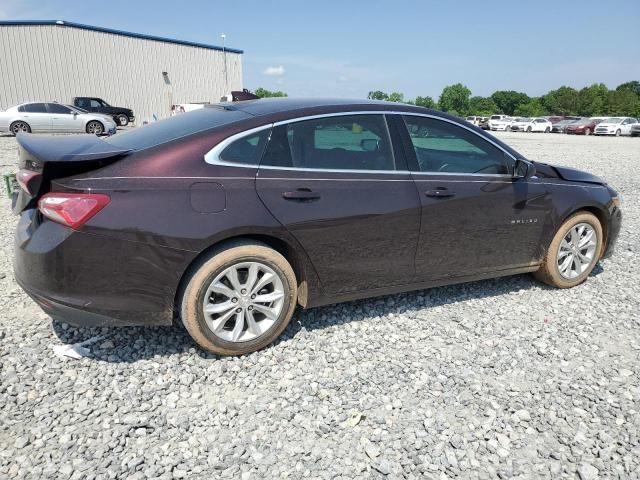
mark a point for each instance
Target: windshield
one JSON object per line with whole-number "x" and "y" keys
{"x": 176, "y": 127}
{"x": 496, "y": 117}
{"x": 613, "y": 120}
{"x": 523, "y": 119}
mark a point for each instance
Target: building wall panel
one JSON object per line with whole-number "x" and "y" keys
{"x": 59, "y": 62}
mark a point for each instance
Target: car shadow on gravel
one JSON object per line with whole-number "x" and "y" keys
{"x": 130, "y": 344}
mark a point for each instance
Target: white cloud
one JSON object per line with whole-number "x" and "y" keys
{"x": 274, "y": 71}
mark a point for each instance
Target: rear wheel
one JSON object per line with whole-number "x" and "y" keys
{"x": 17, "y": 127}
{"x": 122, "y": 120}
{"x": 587, "y": 131}
{"x": 95, "y": 127}
{"x": 547, "y": 130}
{"x": 529, "y": 129}
{"x": 618, "y": 133}
{"x": 574, "y": 251}
{"x": 239, "y": 300}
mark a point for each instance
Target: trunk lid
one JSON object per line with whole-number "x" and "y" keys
{"x": 55, "y": 157}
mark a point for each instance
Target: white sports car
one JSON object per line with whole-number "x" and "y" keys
{"x": 50, "y": 117}
{"x": 531, "y": 125}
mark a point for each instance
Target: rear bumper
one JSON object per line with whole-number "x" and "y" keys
{"x": 88, "y": 279}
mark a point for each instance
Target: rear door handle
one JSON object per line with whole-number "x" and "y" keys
{"x": 301, "y": 195}
{"x": 440, "y": 193}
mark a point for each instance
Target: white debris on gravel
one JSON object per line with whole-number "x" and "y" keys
{"x": 503, "y": 378}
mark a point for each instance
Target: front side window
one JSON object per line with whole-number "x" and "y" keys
{"x": 443, "y": 147}
{"x": 246, "y": 150}
{"x": 35, "y": 108}
{"x": 349, "y": 142}
{"x": 59, "y": 109}
{"x": 95, "y": 104}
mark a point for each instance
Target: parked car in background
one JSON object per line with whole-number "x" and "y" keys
{"x": 121, "y": 115}
{"x": 51, "y": 117}
{"x": 115, "y": 232}
{"x": 635, "y": 130}
{"x": 537, "y": 124}
{"x": 484, "y": 124}
{"x": 583, "y": 127}
{"x": 187, "y": 107}
{"x": 500, "y": 124}
{"x": 474, "y": 120}
{"x": 555, "y": 119}
{"x": 615, "y": 126}
{"x": 560, "y": 127}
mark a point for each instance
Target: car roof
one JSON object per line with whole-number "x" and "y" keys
{"x": 271, "y": 106}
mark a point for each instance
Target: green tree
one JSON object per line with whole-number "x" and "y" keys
{"x": 508, "y": 100}
{"x": 455, "y": 98}
{"x": 633, "y": 86}
{"x": 623, "y": 102}
{"x": 482, "y": 106}
{"x": 563, "y": 101}
{"x": 592, "y": 100}
{"x": 396, "y": 97}
{"x": 533, "y": 108}
{"x": 426, "y": 102}
{"x": 377, "y": 95}
{"x": 264, "y": 93}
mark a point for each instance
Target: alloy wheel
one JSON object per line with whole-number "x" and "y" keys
{"x": 19, "y": 127}
{"x": 95, "y": 128}
{"x": 577, "y": 250}
{"x": 243, "y": 302}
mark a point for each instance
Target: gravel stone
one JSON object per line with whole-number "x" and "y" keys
{"x": 503, "y": 378}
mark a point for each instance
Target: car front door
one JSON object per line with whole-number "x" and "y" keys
{"x": 476, "y": 218}
{"x": 63, "y": 119}
{"x": 36, "y": 115}
{"x": 338, "y": 186}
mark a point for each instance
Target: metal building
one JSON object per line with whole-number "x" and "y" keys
{"x": 58, "y": 60}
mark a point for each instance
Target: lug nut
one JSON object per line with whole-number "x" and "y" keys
{"x": 250, "y": 307}
{"x": 243, "y": 291}
{"x": 234, "y": 300}
{"x": 238, "y": 310}
{"x": 253, "y": 296}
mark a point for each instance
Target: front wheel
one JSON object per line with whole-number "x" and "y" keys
{"x": 122, "y": 120}
{"x": 587, "y": 131}
{"x": 547, "y": 130}
{"x": 95, "y": 127}
{"x": 618, "y": 133}
{"x": 574, "y": 251}
{"x": 529, "y": 129}
{"x": 240, "y": 299}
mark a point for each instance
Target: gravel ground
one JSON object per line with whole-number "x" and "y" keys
{"x": 495, "y": 379}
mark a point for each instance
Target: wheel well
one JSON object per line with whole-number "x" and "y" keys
{"x": 280, "y": 246}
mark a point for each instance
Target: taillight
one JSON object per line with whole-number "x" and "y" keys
{"x": 72, "y": 209}
{"x": 27, "y": 180}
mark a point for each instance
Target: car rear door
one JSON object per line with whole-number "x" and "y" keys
{"x": 37, "y": 116}
{"x": 476, "y": 218}
{"x": 339, "y": 187}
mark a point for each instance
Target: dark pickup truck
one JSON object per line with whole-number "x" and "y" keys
{"x": 121, "y": 115}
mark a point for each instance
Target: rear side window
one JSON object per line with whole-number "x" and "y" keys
{"x": 350, "y": 142}
{"x": 443, "y": 147}
{"x": 35, "y": 108}
{"x": 246, "y": 150}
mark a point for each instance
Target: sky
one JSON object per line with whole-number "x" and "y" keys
{"x": 348, "y": 48}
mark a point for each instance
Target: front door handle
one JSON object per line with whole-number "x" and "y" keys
{"x": 440, "y": 193}
{"x": 301, "y": 195}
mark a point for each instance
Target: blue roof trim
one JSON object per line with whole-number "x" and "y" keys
{"x": 119, "y": 32}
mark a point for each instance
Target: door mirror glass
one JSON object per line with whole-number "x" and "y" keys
{"x": 523, "y": 169}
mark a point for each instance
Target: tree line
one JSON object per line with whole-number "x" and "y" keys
{"x": 591, "y": 101}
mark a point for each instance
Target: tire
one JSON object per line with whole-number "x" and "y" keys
{"x": 529, "y": 130}
{"x": 198, "y": 293}
{"x": 547, "y": 130}
{"x": 95, "y": 127}
{"x": 618, "y": 133}
{"x": 587, "y": 132}
{"x": 550, "y": 270}
{"x": 19, "y": 126}
{"x": 122, "y": 120}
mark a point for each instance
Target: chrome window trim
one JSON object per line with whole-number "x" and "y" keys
{"x": 213, "y": 156}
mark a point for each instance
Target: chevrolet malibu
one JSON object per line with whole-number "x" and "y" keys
{"x": 228, "y": 217}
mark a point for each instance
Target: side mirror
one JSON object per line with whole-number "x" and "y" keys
{"x": 523, "y": 169}
{"x": 370, "y": 144}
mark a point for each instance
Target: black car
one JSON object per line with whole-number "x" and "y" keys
{"x": 229, "y": 216}
{"x": 121, "y": 115}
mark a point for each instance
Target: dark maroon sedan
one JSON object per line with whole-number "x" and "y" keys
{"x": 229, "y": 216}
{"x": 584, "y": 127}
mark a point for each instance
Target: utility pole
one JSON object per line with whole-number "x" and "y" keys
{"x": 224, "y": 54}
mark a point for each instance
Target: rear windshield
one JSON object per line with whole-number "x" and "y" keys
{"x": 176, "y": 127}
